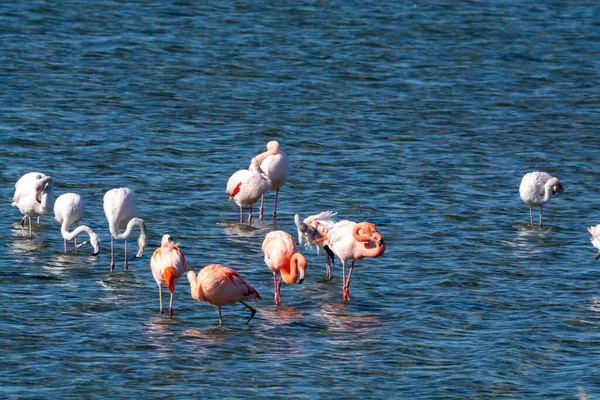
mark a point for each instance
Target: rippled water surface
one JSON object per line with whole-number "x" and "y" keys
{"x": 419, "y": 117}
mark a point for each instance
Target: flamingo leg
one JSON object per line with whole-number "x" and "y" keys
{"x": 160, "y": 297}
{"x": 252, "y": 311}
{"x": 23, "y": 225}
{"x": 30, "y": 235}
{"x": 347, "y": 283}
{"x": 171, "y": 305}
{"x": 329, "y": 274}
{"x": 275, "y": 206}
{"x": 220, "y": 318}
{"x": 260, "y": 210}
{"x": 112, "y": 253}
{"x": 531, "y": 215}
{"x": 38, "y": 219}
{"x": 250, "y": 216}
{"x": 541, "y": 207}
{"x": 76, "y": 225}
{"x": 241, "y": 214}
{"x": 275, "y": 288}
{"x": 65, "y": 245}
{"x": 126, "y": 261}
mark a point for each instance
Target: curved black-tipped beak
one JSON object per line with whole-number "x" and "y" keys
{"x": 96, "y": 253}
{"x": 597, "y": 256}
{"x": 300, "y": 281}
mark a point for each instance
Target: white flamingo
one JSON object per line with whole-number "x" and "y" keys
{"x": 34, "y": 196}
{"x": 246, "y": 186}
{"x": 537, "y": 189}
{"x": 274, "y": 162}
{"x": 315, "y": 227}
{"x": 69, "y": 209}
{"x": 121, "y": 212}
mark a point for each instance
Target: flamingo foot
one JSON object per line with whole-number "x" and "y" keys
{"x": 112, "y": 267}
{"x": 170, "y": 310}
{"x": 346, "y": 294}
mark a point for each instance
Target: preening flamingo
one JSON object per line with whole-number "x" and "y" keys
{"x": 246, "y": 186}
{"x": 274, "y": 162}
{"x": 167, "y": 264}
{"x": 595, "y": 239}
{"x": 121, "y": 212}
{"x": 282, "y": 256}
{"x": 314, "y": 227}
{"x": 353, "y": 241}
{"x": 537, "y": 189}
{"x": 34, "y": 196}
{"x": 69, "y": 209}
{"x": 220, "y": 286}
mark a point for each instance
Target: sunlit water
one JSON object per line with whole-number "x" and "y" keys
{"x": 418, "y": 117}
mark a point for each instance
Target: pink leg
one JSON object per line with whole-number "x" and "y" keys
{"x": 347, "y": 283}
{"x": 65, "y": 245}
{"x": 241, "y": 214}
{"x": 23, "y": 225}
{"x": 260, "y": 210}
{"x": 329, "y": 275}
{"x": 38, "y": 219}
{"x": 250, "y": 216}
{"x": 275, "y": 207}
{"x": 30, "y": 235}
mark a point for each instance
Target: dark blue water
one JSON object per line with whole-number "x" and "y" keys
{"x": 419, "y": 117}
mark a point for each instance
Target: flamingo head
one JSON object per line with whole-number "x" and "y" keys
{"x": 301, "y": 262}
{"x": 169, "y": 278}
{"x": 142, "y": 241}
{"x": 558, "y": 188}
{"x": 95, "y": 242}
{"x": 42, "y": 186}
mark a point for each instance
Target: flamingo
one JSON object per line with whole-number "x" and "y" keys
{"x": 537, "y": 189}
{"x": 246, "y": 186}
{"x": 274, "y": 162}
{"x": 121, "y": 212}
{"x": 220, "y": 286}
{"x": 167, "y": 264}
{"x": 352, "y": 241}
{"x": 312, "y": 228}
{"x": 595, "y": 239}
{"x": 281, "y": 256}
{"x": 69, "y": 209}
{"x": 34, "y": 196}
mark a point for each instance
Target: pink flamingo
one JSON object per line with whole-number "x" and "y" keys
{"x": 220, "y": 286}
{"x": 536, "y": 189}
{"x": 281, "y": 256}
{"x": 352, "y": 241}
{"x": 276, "y": 165}
{"x": 246, "y": 186}
{"x": 312, "y": 228}
{"x": 34, "y": 196}
{"x": 167, "y": 264}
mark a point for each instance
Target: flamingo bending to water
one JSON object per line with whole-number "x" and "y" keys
{"x": 220, "y": 286}
{"x": 353, "y": 241}
{"x": 34, "y": 196}
{"x": 246, "y": 186}
{"x": 121, "y": 212}
{"x": 167, "y": 264}
{"x": 281, "y": 256}
{"x": 69, "y": 209}
{"x": 274, "y": 162}
{"x": 537, "y": 188}
{"x": 314, "y": 227}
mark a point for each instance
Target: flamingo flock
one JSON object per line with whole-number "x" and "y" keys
{"x": 218, "y": 284}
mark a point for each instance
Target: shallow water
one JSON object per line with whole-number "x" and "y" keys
{"x": 419, "y": 117}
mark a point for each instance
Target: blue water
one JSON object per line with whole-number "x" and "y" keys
{"x": 420, "y": 117}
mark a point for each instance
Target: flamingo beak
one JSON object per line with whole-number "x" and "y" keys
{"x": 598, "y": 256}
{"x": 96, "y": 251}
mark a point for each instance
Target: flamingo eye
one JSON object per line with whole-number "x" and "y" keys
{"x": 170, "y": 239}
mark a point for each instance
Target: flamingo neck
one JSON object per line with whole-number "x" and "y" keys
{"x": 132, "y": 224}
{"x": 548, "y": 189}
{"x": 296, "y": 267}
{"x": 272, "y": 149}
{"x": 64, "y": 230}
{"x": 367, "y": 238}
{"x": 196, "y": 288}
